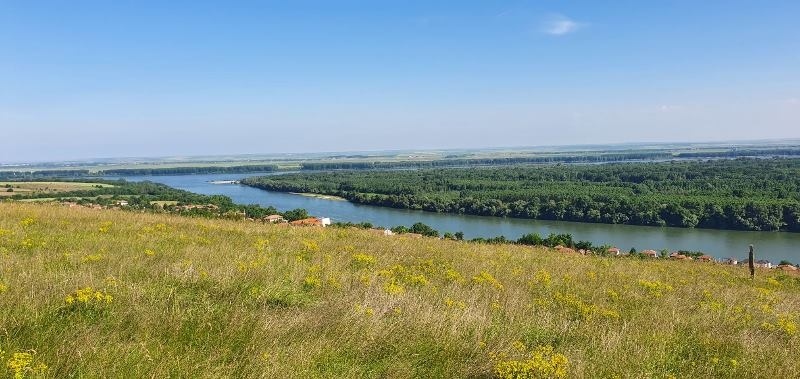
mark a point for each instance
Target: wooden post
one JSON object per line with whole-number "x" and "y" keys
{"x": 752, "y": 263}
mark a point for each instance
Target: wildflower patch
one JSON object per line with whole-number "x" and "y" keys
{"x": 25, "y": 364}
{"x": 485, "y": 278}
{"x": 540, "y": 362}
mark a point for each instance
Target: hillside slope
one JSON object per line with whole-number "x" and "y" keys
{"x": 90, "y": 293}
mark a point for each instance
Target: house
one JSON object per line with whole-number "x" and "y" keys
{"x": 273, "y": 219}
{"x": 381, "y": 232}
{"x": 614, "y": 251}
{"x": 788, "y": 268}
{"x": 650, "y": 253}
{"x": 763, "y": 263}
{"x": 122, "y": 203}
{"x": 567, "y": 250}
{"x": 210, "y": 207}
{"x": 706, "y": 258}
{"x": 730, "y": 261}
{"x": 325, "y": 221}
{"x": 311, "y": 221}
{"x": 678, "y": 256}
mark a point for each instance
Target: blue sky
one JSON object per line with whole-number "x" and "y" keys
{"x": 81, "y": 79}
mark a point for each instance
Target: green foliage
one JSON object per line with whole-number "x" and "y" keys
{"x": 295, "y": 214}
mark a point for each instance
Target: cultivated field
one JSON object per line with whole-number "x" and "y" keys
{"x": 103, "y": 293}
{"x": 28, "y": 188}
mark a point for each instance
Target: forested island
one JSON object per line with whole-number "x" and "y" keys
{"x": 740, "y": 194}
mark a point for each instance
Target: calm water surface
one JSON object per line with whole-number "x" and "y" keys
{"x": 720, "y": 243}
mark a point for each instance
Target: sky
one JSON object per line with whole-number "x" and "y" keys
{"x": 85, "y": 79}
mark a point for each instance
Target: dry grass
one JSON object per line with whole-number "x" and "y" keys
{"x": 213, "y": 298}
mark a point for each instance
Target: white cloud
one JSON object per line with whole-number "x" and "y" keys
{"x": 559, "y": 25}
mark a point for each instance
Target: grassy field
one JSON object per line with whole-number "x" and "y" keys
{"x": 28, "y": 188}
{"x": 104, "y": 293}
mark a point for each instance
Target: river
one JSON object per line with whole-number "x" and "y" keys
{"x": 773, "y": 246}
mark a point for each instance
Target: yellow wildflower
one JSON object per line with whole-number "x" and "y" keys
{"x": 452, "y": 275}
{"x": 542, "y": 277}
{"x": 28, "y": 221}
{"x": 417, "y": 280}
{"x": 88, "y": 296}
{"x": 542, "y": 362}
{"x": 655, "y": 288}
{"x": 92, "y": 258}
{"x": 450, "y": 303}
{"x": 362, "y": 261}
{"x": 104, "y": 227}
{"x": 22, "y": 364}
{"x": 393, "y": 288}
{"x": 487, "y": 278}
{"x": 311, "y": 282}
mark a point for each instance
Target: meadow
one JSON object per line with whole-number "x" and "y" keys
{"x": 109, "y": 293}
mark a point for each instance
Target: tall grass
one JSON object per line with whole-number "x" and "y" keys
{"x": 90, "y": 293}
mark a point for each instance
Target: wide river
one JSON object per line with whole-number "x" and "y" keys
{"x": 773, "y": 246}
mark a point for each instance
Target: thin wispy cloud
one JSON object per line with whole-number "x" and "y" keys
{"x": 559, "y": 25}
{"x": 670, "y": 108}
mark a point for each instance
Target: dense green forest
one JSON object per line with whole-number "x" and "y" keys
{"x": 742, "y": 194}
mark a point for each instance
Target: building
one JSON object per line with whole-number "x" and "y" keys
{"x": 650, "y": 253}
{"x": 788, "y": 268}
{"x": 614, "y": 251}
{"x": 678, "y": 256}
{"x": 730, "y": 261}
{"x": 763, "y": 263}
{"x": 706, "y": 258}
{"x": 274, "y": 219}
{"x": 564, "y": 249}
{"x": 311, "y": 221}
{"x": 122, "y": 203}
